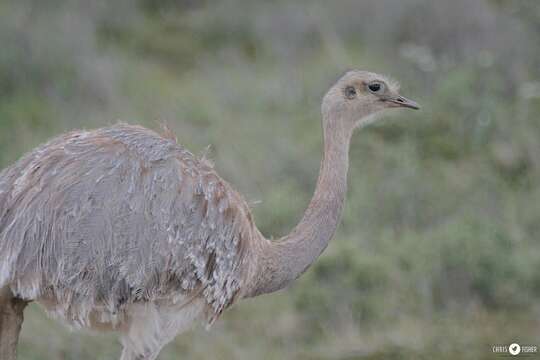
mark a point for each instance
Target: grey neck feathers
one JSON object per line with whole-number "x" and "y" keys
{"x": 284, "y": 260}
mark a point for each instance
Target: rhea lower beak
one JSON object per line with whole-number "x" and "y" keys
{"x": 401, "y": 101}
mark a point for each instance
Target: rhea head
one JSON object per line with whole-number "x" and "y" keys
{"x": 358, "y": 96}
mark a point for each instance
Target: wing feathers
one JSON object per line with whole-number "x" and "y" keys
{"x": 105, "y": 218}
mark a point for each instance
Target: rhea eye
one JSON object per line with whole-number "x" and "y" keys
{"x": 350, "y": 92}
{"x": 376, "y": 87}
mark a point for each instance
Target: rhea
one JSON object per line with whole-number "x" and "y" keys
{"x": 123, "y": 229}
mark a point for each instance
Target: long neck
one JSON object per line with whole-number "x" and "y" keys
{"x": 284, "y": 260}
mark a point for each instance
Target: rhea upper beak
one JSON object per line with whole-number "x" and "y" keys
{"x": 401, "y": 101}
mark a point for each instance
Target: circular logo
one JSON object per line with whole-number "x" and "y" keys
{"x": 514, "y": 349}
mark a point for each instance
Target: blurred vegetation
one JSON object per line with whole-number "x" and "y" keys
{"x": 439, "y": 250}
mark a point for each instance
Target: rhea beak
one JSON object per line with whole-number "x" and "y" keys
{"x": 401, "y": 101}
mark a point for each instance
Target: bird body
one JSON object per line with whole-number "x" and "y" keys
{"x": 94, "y": 222}
{"x": 123, "y": 229}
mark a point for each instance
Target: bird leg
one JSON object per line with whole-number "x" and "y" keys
{"x": 128, "y": 354}
{"x": 11, "y": 319}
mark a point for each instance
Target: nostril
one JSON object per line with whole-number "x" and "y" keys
{"x": 400, "y": 100}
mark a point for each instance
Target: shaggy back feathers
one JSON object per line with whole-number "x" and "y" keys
{"x": 97, "y": 220}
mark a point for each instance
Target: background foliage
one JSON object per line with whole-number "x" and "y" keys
{"x": 439, "y": 250}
